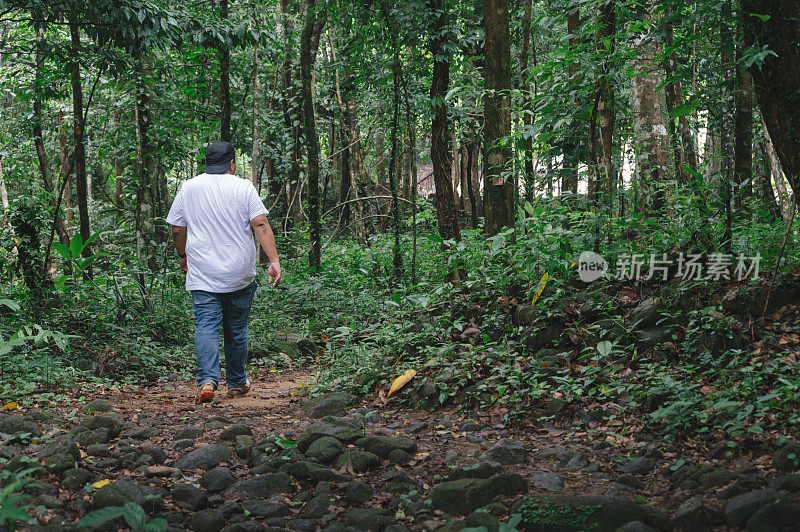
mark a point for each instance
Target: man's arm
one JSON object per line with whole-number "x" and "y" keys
{"x": 179, "y": 241}
{"x": 266, "y": 238}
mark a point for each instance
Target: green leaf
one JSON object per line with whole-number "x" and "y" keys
{"x": 283, "y": 443}
{"x": 10, "y": 304}
{"x": 62, "y": 250}
{"x": 76, "y": 245}
{"x": 134, "y": 515}
{"x": 604, "y": 348}
{"x": 103, "y": 515}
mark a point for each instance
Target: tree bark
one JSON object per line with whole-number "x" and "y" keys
{"x": 146, "y": 208}
{"x": 498, "y": 191}
{"x": 38, "y": 137}
{"x": 571, "y": 147}
{"x": 312, "y": 141}
{"x": 66, "y": 171}
{"x": 743, "y": 136}
{"x": 446, "y": 213}
{"x": 725, "y": 120}
{"x": 777, "y": 80}
{"x": 254, "y": 130}
{"x": 649, "y": 125}
{"x": 606, "y": 110}
{"x": 79, "y": 151}
{"x": 225, "y": 80}
{"x": 527, "y": 107}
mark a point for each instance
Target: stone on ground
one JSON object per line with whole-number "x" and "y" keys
{"x": 259, "y": 487}
{"x": 233, "y": 431}
{"x": 218, "y": 479}
{"x": 467, "y": 495}
{"x": 383, "y": 445}
{"x": 204, "y": 457}
{"x": 506, "y": 452}
{"x": 207, "y": 521}
{"x": 740, "y": 508}
{"x": 787, "y": 458}
{"x": 324, "y": 450}
{"x": 98, "y": 405}
{"x": 337, "y": 428}
{"x": 332, "y": 404}
{"x": 189, "y": 497}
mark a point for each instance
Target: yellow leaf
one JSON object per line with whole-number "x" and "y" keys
{"x": 540, "y": 289}
{"x": 10, "y": 406}
{"x": 100, "y": 483}
{"x": 401, "y": 381}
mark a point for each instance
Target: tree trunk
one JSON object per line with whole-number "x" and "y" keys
{"x": 763, "y": 182}
{"x": 777, "y": 80}
{"x": 471, "y": 192}
{"x": 649, "y": 126}
{"x": 571, "y": 159}
{"x": 38, "y": 137}
{"x": 312, "y": 141}
{"x": 777, "y": 174}
{"x": 79, "y": 152}
{"x": 743, "y": 137}
{"x": 225, "y": 80}
{"x": 446, "y": 213}
{"x": 527, "y": 107}
{"x": 606, "y": 110}
{"x": 725, "y": 121}
{"x": 66, "y": 171}
{"x": 498, "y": 191}
{"x": 254, "y": 129}
{"x": 148, "y": 169}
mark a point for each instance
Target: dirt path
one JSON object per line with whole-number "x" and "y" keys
{"x": 234, "y": 464}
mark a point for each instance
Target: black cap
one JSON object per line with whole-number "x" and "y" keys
{"x": 218, "y": 157}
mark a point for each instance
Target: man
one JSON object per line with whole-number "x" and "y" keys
{"x": 211, "y": 219}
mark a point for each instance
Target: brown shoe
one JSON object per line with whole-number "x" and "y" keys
{"x": 241, "y": 390}
{"x": 205, "y": 393}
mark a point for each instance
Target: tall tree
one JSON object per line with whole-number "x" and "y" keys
{"x": 606, "y": 110}
{"x": 527, "y": 104}
{"x": 225, "y": 79}
{"x": 312, "y": 141}
{"x": 79, "y": 123}
{"x": 498, "y": 191}
{"x": 771, "y": 27}
{"x": 446, "y": 212}
{"x": 649, "y": 117}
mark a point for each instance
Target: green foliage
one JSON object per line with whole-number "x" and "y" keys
{"x": 133, "y": 514}
{"x": 11, "y": 513}
{"x": 538, "y": 511}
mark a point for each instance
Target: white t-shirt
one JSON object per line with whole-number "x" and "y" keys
{"x": 217, "y": 209}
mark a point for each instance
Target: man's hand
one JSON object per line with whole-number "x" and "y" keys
{"x": 182, "y": 262}
{"x": 274, "y": 272}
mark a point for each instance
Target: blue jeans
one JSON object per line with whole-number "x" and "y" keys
{"x": 230, "y": 310}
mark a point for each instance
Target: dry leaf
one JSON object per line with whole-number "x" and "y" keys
{"x": 401, "y": 381}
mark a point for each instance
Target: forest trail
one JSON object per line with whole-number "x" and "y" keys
{"x": 263, "y": 461}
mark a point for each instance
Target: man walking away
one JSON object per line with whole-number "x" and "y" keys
{"x": 211, "y": 219}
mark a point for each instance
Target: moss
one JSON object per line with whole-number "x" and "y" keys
{"x": 543, "y": 512}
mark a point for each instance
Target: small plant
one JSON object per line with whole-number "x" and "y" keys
{"x": 11, "y": 514}
{"x": 133, "y": 514}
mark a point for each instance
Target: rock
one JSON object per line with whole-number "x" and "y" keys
{"x": 233, "y": 431}
{"x": 646, "y": 313}
{"x": 361, "y": 461}
{"x": 599, "y": 513}
{"x": 383, "y": 445}
{"x": 332, "y": 404}
{"x": 113, "y": 423}
{"x": 471, "y": 426}
{"x": 181, "y": 445}
{"x": 638, "y": 466}
{"x": 75, "y": 479}
{"x": 574, "y": 460}
{"x": 260, "y": 486}
{"x": 715, "y": 479}
{"x": 548, "y": 481}
{"x": 218, "y": 479}
{"x": 324, "y": 450}
{"x": 399, "y": 482}
{"x": 204, "y": 457}
{"x": 369, "y": 518}
{"x": 775, "y": 517}
{"x": 537, "y": 337}
{"x": 188, "y": 433}
{"x": 787, "y": 458}
{"x": 158, "y": 454}
{"x": 358, "y": 492}
{"x": 244, "y": 444}
{"x": 525, "y": 315}
{"x": 328, "y": 426}
{"x": 93, "y": 437}
{"x": 102, "y": 450}
{"x": 653, "y": 337}
{"x": 142, "y": 433}
{"x": 694, "y": 516}
{"x": 11, "y": 424}
{"x": 630, "y": 481}
{"x": 400, "y": 457}
{"x": 161, "y": 471}
{"x": 266, "y": 509}
{"x": 189, "y": 497}
{"x": 123, "y": 491}
{"x": 207, "y": 521}
{"x": 740, "y": 508}
{"x": 60, "y": 462}
{"x": 62, "y": 445}
{"x": 506, "y": 452}
{"x": 316, "y": 507}
{"x": 790, "y": 483}
{"x": 247, "y": 526}
{"x": 467, "y": 495}
{"x": 98, "y": 405}
{"x": 480, "y": 470}
{"x": 636, "y": 526}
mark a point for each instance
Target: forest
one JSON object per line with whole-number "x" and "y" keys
{"x": 540, "y": 265}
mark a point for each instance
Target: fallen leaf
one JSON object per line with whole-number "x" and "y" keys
{"x": 10, "y": 406}
{"x": 401, "y": 381}
{"x": 100, "y": 483}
